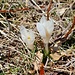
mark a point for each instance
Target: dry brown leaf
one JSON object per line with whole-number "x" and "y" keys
{"x": 39, "y": 57}
{"x": 31, "y": 71}
{"x": 55, "y": 56}
{"x": 69, "y": 52}
{"x": 63, "y": 53}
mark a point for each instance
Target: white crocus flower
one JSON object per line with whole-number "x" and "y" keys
{"x": 27, "y": 36}
{"x": 45, "y": 28}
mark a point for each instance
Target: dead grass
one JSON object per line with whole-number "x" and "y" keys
{"x": 15, "y": 57}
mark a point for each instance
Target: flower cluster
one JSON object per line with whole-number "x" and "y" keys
{"x": 45, "y": 29}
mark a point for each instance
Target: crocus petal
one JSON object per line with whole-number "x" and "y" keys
{"x": 27, "y": 36}
{"x": 45, "y": 28}
{"x": 49, "y": 25}
{"x": 41, "y": 29}
{"x": 32, "y": 37}
{"x": 30, "y": 46}
{"x": 43, "y": 19}
{"x": 23, "y": 31}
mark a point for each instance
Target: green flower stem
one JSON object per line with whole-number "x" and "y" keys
{"x": 46, "y": 48}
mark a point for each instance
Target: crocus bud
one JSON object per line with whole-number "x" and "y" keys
{"x": 45, "y": 28}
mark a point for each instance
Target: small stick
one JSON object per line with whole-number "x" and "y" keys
{"x": 46, "y": 62}
{"x": 34, "y": 3}
{"x": 62, "y": 70}
{"x": 3, "y": 33}
{"x": 50, "y": 4}
{"x": 66, "y": 35}
{"x": 70, "y": 62}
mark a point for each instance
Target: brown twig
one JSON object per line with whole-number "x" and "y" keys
{"x": 5, "y": 11}
{"x": 42, "y": 72}
{"x": 50, "y": 4}
{"x": 66, "y": 35}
